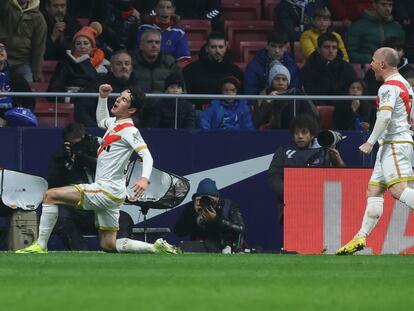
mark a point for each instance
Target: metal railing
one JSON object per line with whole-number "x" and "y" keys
{"x": 295, "y": 98}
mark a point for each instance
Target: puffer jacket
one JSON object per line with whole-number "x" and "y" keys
{"x": 367, "y": 34}
{"x": 24, "y": 32}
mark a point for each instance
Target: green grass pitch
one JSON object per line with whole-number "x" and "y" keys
{"x": 98, "y": 281}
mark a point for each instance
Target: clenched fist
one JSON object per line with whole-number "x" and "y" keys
{"x": 104, "y": 90}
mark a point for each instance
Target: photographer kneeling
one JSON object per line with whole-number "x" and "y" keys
{"x": 213, "y": 223}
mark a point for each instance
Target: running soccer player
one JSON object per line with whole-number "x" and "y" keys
{"x": 392, "y": 130}
{"x": 108, "y": 192}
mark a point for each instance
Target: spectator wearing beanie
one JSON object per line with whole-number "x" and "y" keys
{"x": 278, "y": 114}
{"x": 82, "y": 65}
{"x": 227, "y": 114}
{"x": 171, "y": 112}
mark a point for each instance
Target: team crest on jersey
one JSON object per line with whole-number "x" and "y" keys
{"x": 168, "y": 43}
{"x": 385, "y": 96}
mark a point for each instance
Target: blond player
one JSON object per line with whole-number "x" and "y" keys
{"x": 392, "y": 130}
{"x": 108, "y": 192}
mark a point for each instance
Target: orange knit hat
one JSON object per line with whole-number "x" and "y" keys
{"x": 91, "y": 32}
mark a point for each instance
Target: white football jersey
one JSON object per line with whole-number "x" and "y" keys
{"x": 120, "y": 140}
{"x": 396, "y": 95}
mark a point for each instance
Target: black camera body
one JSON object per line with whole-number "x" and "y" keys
{"x": 207, "y": 203}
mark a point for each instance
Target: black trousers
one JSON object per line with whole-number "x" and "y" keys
{"x": 72, "y": 224}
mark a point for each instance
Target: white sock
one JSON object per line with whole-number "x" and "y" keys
{"x": 133, "y": 246}
{"x": 372, "y": 214}
{"x": 48, "y": 220}
{"x": 407, "y": 197}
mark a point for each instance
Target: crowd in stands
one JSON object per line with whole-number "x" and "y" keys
{"x": 321, "y": 47}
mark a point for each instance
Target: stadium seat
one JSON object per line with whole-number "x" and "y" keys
{"x": 38, "y": 86}
{"x": 248, "y": 49}
{"x": 195, "y": 47}
{"x": 244, "y": 30}
{"x": 241, "y": 10}
{"x": 326, "y": 115}
{"x": 297, "y": 52}
{"x": 269, "y": 9}
{"x": 196, "y": 30}
{"x": 48, "y": 69}
{"x": 241, "y": 65}
{"x": 54, "y": 115}
{"x": 339, "y": 27}
{"x": 358, "y": 69}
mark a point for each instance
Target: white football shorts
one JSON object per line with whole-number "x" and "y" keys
{"x": 105, "y": 205}
{"x": 392, "y": 165}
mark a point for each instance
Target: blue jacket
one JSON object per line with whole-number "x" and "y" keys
{"x": 227, "y": 116}
{"x": 257, "y": 72}
{"x": 173, "y": 40}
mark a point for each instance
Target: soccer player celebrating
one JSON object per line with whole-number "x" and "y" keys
{"x": 108, "y": 192}
{"x": 392, "y": 168}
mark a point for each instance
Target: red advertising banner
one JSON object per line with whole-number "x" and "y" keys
{"x": 324, "y": 209}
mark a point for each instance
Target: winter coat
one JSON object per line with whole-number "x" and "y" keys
{"x": 279, "y": 114}
{"x": 56, "y": 50}
{"x": 24, "y": 32}
{"x": 368, "y": 34}
{"x": 349, "y": 9}
{"x": 151, "y": 76}
{"x": 309, "y": 43}
{"x": 322, "y": 77}
{"x": 161, "y": 114}
{"x": 256, "y": 75}
{"x": 227, "y": 116}
{"x": 204, "y": 76}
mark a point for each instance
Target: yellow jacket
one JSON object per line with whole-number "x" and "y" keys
{"x": 309, "y": 43}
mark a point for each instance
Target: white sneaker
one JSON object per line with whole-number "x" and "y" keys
{"x": 164, "y": 247}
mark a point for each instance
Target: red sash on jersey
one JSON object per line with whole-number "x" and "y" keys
{"x": 110, "y": 138}
{"x": 404, "y": 94}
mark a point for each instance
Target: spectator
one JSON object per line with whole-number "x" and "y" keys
{"x": 278, "y": 114}
{"x": 294, "y": 16}
{"x": 120, "y": 27}
{"x": 120, "y": 77}
{"x": 81, "y": 65}
{"x": 321, "y": 23}
{"x": 256, "y": 75}
{"x": 75, "y": 163}
{"x": 204, "y": 76}
{"x": 151, "y": 66}
{"x": 325, "y": 72}
{"x": 211, "y": 220}
{"x": 404, "y": 68}
{"x": 369, "y": 32}
{"x": 11, "y": 82}
{"x": 170, "y": 112}
{"x": 349, "y": 11}
{"x": 227, "y": 114}
{"x": 24, "y": 30}
{"x": 201, "y": 9}
{"x": 355, "y": 114}
{"x": 61, "y": 27}
{"x": 144, "y": 7}
{"x": 403, "y": 13}
{"x": 303, "y": 151}
{"x": 173, "y": 38}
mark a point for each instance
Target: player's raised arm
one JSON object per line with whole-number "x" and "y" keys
{"x": 102, "y": 112}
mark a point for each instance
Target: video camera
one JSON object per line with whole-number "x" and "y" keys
{"x": 329, "y": 138}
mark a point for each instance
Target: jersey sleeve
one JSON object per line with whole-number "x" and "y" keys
{"x": 387, "y": 96}
{"x": 134, "y": 139}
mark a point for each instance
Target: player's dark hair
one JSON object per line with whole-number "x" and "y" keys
{"x": 216, "y": 36}
{"x": 277, "y": 36}
{"x": 73, "y": 131}
{"x": 305, "y": 121}
{"x": 137, "y": 98}
{"x": 158, "y": 1}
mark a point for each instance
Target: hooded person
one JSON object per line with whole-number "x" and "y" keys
{"x": 82, "y": 65}
{"x": 228, "y": 113}
{"x": 278, "y": 114}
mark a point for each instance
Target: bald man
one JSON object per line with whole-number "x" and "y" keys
{"x": 392, "y": 131}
